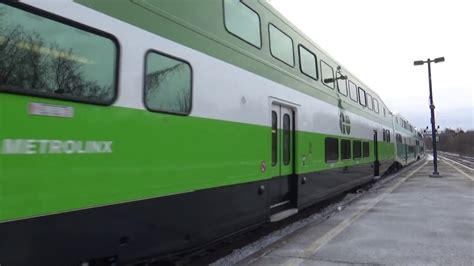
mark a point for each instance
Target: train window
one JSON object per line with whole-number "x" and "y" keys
{"x": 286, "y": 139}
{"x": 167, "y": 84}
{"x": 398, "y": 138}
{"x": 356, "y": 149}
{"x": 242, "y": 22}
{"x": 332, "y": 149}
{"x": 370, "y": 101}
{"x": 389, "y": 138}
{"x": 345, "y": 149}
{"x": 365, "y": 149}
{"x": 352, "y": 91}
{"x": 384, "y": 112}
{"x": 376, "y": 105}
{"x": 50, "y": 57}
{"x": 362, "y": 97}
{"x": 341, "y": 85}
{"x": 281, "y": 46}
{"x": 327, "y": 74}
{"x": 274, "y": 138}
{"x": 308, "y": 64}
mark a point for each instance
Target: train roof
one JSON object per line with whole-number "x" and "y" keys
{"x": 279, "y": 15}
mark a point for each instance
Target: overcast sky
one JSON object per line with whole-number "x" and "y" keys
{"x": 379, "y": 40}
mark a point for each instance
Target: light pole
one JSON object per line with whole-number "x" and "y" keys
{"x": 432, "y": 107}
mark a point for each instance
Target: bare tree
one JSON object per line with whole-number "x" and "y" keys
{"x": 154, "y": 83}
{"x": 9, "y": 52}
{"x": 26, "y": 61}
{"x": 184, "y": 102}
{"x": 456, "y": 141}
{"x": 154, "y": 79}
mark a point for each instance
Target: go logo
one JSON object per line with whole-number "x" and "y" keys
{"x": 344, "y": 123}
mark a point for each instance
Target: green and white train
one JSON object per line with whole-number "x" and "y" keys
{"x": 137, "y": 128}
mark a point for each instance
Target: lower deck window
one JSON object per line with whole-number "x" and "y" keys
{"x": 332, "y": 149}
{"x": 356, "y": 148}
{"x": 345, "y": 149}
{"x": 365, "y": 149}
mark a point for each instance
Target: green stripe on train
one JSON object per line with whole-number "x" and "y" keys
{"x": 151, "y": 155}
{"x": 148, "y": 155}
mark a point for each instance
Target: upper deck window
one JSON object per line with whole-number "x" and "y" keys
{"x": 308, "y": 63}
{"x": 281, "y": 46}
{"x": 362, "y": 97}
{"x": 352, "y": 91}
{"x": 370, "y": 101}
{"x": 341, "y": 85}
{"x": 51, "y": 57}
{"x": 242, "y": 22}
{"x": 327, "y": 74}
{"x": 376, "y": 106}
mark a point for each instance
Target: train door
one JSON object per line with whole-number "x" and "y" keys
{"x": 376, "y": 155}
{"x": 405, "y": 145}
{"x": 283, "y": 184}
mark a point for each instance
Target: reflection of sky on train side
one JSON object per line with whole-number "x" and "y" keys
{"x": 94, "y": 54}
{"x": 379, "y": 40}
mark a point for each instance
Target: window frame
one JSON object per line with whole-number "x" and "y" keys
{"x": 259, "y": 25}
{"x": 326, "y": 150}
{"x": 191, "y": 80}
{"x": 275, "y": 135}
{"x": 363, "y": 149}
{"x": 350, "y": 149}
{"x": 365, "y": 96}
{"x": 315, "y": 62}
{"x": 80, "y": 26}
{"x": 371, "y": 105}
{"x": 375, "y": 100}
{"x": 321, "y": 61}
{"x": 339, "y": 88}
{"x": 360, "y": 149}
{"x": 356, "y": 90}
{"x": 286, "y": 145}
{"x": 270, "y": 45}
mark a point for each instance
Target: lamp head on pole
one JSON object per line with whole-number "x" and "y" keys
{"x": 439, "y": 60}
{"x": 418, "y": 63}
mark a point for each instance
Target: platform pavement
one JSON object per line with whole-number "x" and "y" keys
{"x": 413, "y": 220}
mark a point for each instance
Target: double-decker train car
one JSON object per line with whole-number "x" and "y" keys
{"x": 148, "y": 127}
{"x": 409, "y": 142}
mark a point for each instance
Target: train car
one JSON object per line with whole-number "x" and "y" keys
{"x": 149, "y": 127}
{"x": 408, "y": 141}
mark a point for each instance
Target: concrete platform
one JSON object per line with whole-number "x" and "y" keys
{"x": 412, "y": 220}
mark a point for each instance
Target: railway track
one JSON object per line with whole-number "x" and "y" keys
{"x": 466, "y": 161}
{"x": 231, "y": 250}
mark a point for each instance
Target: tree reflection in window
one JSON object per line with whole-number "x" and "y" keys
{"x": 167, "y": 84}
{"x": 48, "y": 58}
